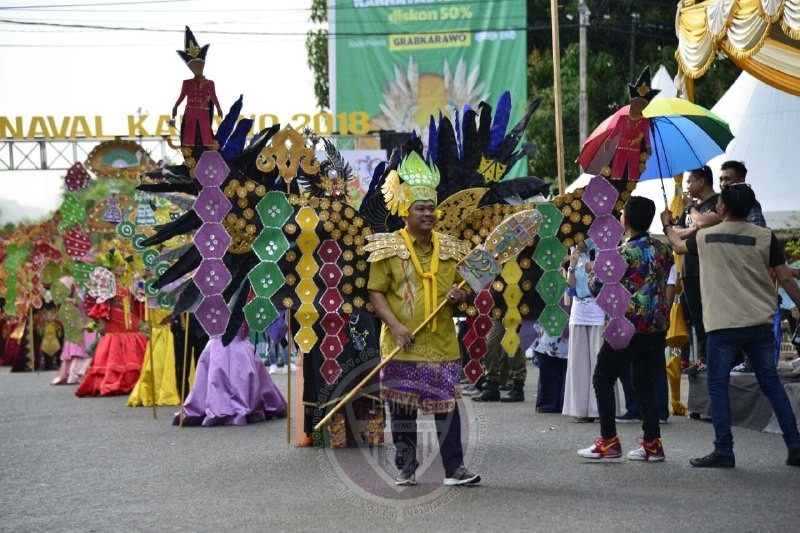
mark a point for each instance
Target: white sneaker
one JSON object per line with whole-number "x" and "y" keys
{"x": 273, "y": 368}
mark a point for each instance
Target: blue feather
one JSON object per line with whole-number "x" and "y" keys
{"x": 226, "y": 127}
{"x": 238, "y": 139}
{"x": 502, "y": 113}
{"x": 457, "y": 127}
{"x": 433, "y": 142}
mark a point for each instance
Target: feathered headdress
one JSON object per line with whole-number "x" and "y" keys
{"x": 419, "y": 182}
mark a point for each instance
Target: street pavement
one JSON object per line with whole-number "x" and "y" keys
{"x": 92, "y": 464}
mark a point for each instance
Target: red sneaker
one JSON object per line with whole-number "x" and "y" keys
{"x": 648, "y": 451}
{"x": 603, "y": 449}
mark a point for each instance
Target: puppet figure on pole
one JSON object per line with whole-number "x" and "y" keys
{"x": 200, "y": 94}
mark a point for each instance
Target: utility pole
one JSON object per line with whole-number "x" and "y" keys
{"x": 634, "y": 26}
{"x": 583, "y": 100}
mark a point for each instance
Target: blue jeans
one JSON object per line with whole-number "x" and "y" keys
{"x": 758, "y": 343}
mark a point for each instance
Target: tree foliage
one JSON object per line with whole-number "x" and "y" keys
{"x": 317, "y": 49}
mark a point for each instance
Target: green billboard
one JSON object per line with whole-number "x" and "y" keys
{"x": 393, "y": 63}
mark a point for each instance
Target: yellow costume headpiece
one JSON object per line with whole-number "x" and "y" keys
{"x": 419, "y": 182}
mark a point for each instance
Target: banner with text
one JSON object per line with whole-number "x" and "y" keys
{"x": 394, "y": 63}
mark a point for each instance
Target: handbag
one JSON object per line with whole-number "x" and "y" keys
{"x": 678, "y": 333}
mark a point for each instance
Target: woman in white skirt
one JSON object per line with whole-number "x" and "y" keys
{"x": 586, "y": 321}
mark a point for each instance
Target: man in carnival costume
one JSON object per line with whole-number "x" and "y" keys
{"x": 412, "y": 270}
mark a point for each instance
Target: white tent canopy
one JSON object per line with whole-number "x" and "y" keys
{"x": 765, "y": 122}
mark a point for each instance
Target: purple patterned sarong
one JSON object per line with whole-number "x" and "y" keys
{"x": 432, "y": 387}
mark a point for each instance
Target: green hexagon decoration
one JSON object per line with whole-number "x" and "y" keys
{"x": 551, "y": 220}
{"x": 260, "y": 313}
{"x": 266, "y": 278}
{"x": 274, "y": 209}
{"x": 80, "y": 272}
{"x": 549, "y": 253}
{"x": 551, "y": 286}
{"x": 271, "y": 244}
{"x": 59, "y": 292}
{"x": 553, "y": 320}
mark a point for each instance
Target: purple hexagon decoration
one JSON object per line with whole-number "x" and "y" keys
{"x": 618, "y": 332}
{"x": 606, "y": 231}
{"x": 609, "y": 266}
{"x": 212, "y": 205}
{"x": 212, "y": 241}
{"x": 213, "y": 315}
{"x": 613, "y": 299}
{"x": 212, "y": 277}
{"x": 600, "y": 196}
{"x": 211, "y": 170}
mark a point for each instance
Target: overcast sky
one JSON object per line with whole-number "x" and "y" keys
{"x": 71, "y": 58}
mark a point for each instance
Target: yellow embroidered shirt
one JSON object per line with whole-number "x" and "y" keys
{"x": 392, "y": 273}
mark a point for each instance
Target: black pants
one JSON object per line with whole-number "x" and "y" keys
{"x": 404, "y": 437}
{"x": 644, "y": 354}
{"x": 691, "y": 293}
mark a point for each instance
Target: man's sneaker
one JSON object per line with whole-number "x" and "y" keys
{"x": 462, "y": 476}
{"x": 794, "y": 458}
{"x": 406, "y": 479}
{"x": 603, "y": 449}
{"x": 273, "y": 368}
{"x": 628, "y": 418}
{"x": 648, "y": 451}
{"x": 714, "y": 460}
{"x": 742, "y": 368}
{"x": 695, "y": 369}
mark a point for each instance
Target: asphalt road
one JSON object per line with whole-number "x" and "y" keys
{"x": 71, "y": 464}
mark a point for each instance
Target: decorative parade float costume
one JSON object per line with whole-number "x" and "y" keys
{"x": 119, "y": 354}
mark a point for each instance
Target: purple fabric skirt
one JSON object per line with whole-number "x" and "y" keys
{"x": 71, "y": 350}
{"x": 231, "y": 387}
{"x": 432, "y": 387}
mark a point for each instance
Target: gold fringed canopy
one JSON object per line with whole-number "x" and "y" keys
{"x": 761, "y": 37}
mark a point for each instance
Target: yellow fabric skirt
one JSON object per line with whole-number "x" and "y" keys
{"x": 157, "y": 380}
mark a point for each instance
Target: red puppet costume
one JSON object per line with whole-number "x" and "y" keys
{"x": 199, "y": 93}
{"x": 633, "y": 131}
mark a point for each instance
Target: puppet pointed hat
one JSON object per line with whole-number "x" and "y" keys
{"x": 641, "y": 89}
{"x": 192, "y": 50}
{"x": 419, "y": 182}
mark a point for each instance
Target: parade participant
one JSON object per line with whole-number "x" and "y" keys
{"x": 412, "y": 270}
{"x": 199, "y": 93}
{"x": 231, "y": 387}
{"x": 74, "y": 357}
{"x": 119, "y": 354}
{"x": 648, "y": 264}
{"x": 157, "y": 380}
{"x": 586, "y": 321}
{"x": 738, "y": 311}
